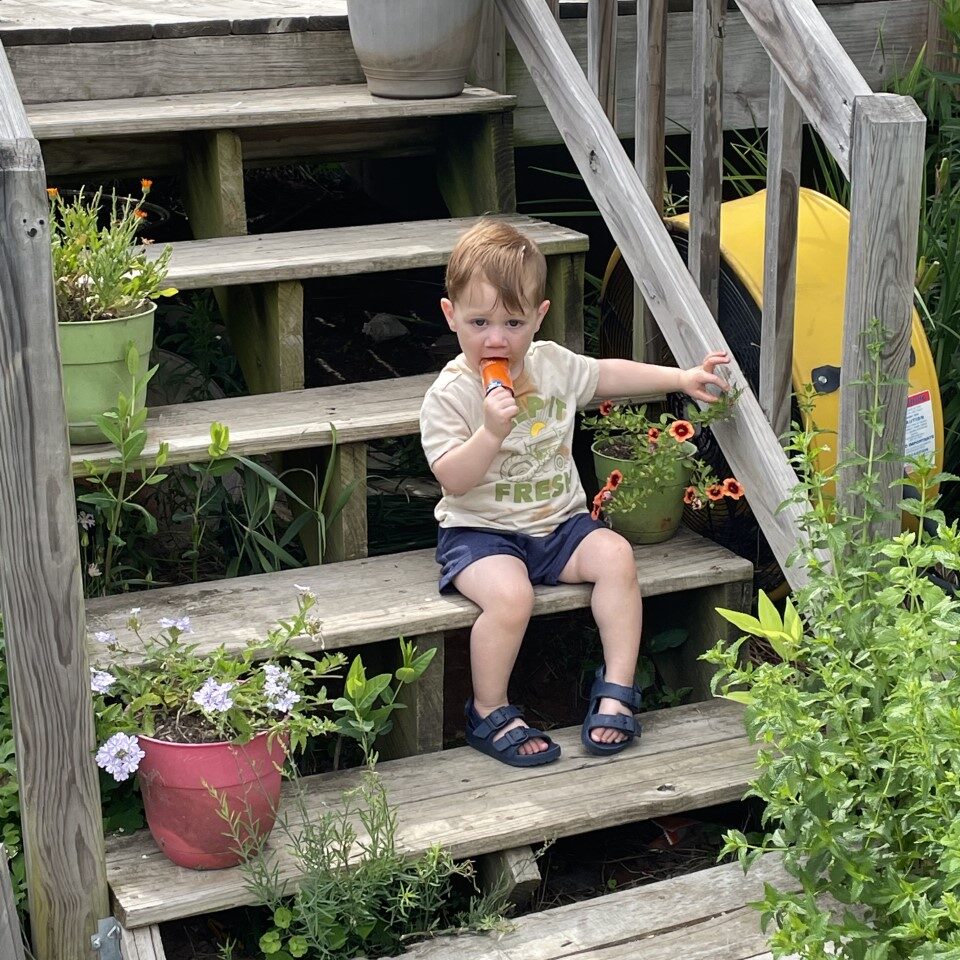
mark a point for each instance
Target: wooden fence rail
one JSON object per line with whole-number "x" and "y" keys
{"x": 40, "y": 592}
{"x": 747, "y": 440}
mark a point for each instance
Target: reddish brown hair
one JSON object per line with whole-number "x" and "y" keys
{"x": 498, "y": 253}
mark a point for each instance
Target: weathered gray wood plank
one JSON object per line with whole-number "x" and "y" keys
{"x": 747, "y": 440}
{"x": 244, "y": 108}
{"x": 887, "y": 168}
{"x": 340, "y": 251}
{"x": 814, "y": 65}
{"x": 142, "y": 944}
{"x": 644, "y": 917}
{"x": 706, "y": 147}
{"x": 784, "y": 138}
{"x": 602, "y": 54}
{"x": 11, "y": 937}
{"x": 650, "y": 82}
{"x": 514, "y": 873}
{"x": 379, "y": 598}
{"x": 13, "y": 118}
{"x": 688, "y": 757}
{"x": 858, "y": 27}
{"x": 40, "y": 592}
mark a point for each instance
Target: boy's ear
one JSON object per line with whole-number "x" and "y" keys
{"x": 447, "y": 307}
{"x": 541, "y": 313}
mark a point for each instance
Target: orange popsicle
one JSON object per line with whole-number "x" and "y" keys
{"x": 495, "y": 372}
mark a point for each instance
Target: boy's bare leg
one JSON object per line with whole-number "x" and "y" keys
{"x": 605, "y": 559}
{"x": 500, "y": 586}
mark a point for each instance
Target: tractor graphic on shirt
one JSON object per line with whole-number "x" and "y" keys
{"x": 545, "y": 445}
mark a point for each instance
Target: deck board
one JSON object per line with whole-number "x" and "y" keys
{"x": 688, "y": 757}
{"x": 378, "y": 598}
{"x": 344, "y": 103}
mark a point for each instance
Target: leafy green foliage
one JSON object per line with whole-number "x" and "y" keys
{"x": 100, "y": 273}
{"x": 860, "y": 723}
{"x": 359, "y": 896}
{"x": 9, "y": 791}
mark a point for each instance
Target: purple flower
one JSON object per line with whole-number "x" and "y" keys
{"x": 214, "y": 697}
{"x": 278, "y": 681}
{"x": 284, "y": 702}
{"x": 120, "y": 756}
{"x": 101, "y": 681}
{"x": 177, "y": 623}
{"x": 105, "y": 636}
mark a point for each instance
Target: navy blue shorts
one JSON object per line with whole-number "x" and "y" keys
{"x": 545, "y": 557}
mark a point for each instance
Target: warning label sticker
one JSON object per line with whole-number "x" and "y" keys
{"x": 920, "y": 436}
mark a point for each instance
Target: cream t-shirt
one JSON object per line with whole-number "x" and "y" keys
{"x": 532, "y": 485}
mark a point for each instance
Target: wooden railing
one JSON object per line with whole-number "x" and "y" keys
{"x": 877, "y": 140}
{"x": 40, "y": 591}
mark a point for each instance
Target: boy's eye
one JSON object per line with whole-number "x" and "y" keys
{"x": 478, "y": 321}
{"x": 514, "y": 323}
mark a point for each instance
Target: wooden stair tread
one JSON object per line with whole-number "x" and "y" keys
{"x": 703, "y": 914}
{"x": 231, "y": 109}
{"x": 688, "y": 757}
{"x": 272, "y": 422}
{"x": 339, "y": 251}
{"x": 380, "y": 598}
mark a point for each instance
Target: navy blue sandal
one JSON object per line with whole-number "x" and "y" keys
{"x": 628, "y": 696}
{"x": 506, "y": 749}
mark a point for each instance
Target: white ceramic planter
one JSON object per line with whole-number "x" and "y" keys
{"x": 415, "y": 49}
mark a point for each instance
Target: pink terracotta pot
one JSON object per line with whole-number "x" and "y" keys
{"x": 185, "y": 784}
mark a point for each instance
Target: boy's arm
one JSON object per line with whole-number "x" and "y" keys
{"x": 463, "y": 467}
{"x": 629, "y": 378}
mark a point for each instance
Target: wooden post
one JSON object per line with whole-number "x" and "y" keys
{"x": 602, "y": 54}
{"x": 489, "y": 68}
{"x": 347, "y": 535}
{"x": 648, "y": 159}
{"x": 514, "y": 873}
{"x": 564, "y": 321}
{"x": 475, "y": 165}
{"x": 40, "y": 592}
{"x": 940, "y": 53}
{"x": 784, "y": 137}
{"x": 886, "y": 171}
{"x": 706, "y": 149}
{"x": 747, "y": 440}
{"x": 11, "y": 936}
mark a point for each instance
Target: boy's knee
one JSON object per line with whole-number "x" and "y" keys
{"x": 511, "y": 596}
{"x": 618, "y": 559}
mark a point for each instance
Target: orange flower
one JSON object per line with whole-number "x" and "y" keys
{"x": 52, "y": 192}
{"x": 653, "y": 434}
{"x": 140, "y": 214}
{"x": 145, "y": 185}
{"x": 732, "y": 488}
{"x": 689, "y": 495}
{"x": 605, "y": 408}
{"x": 681, "y": 430}
{"x": 715, "y": 491}
{"x": 613, "y": 481}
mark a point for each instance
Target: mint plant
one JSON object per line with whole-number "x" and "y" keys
{"x": 859, "y": 724}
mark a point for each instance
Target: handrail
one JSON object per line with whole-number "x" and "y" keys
{"x": 814, "y": 65}
{"x": 748, "y": 442}
{"x": 40, "y": 590}
{"x": 14, "y": 124}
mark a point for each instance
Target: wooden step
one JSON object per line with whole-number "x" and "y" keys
{"x": 271, "y": 422}
{"x": 334, "y": 103}
{"x": 698, "y": 916}
{"x": 340, "y": 251}
{"x": 380, "y": 598}
{"x": 688, "y": 757}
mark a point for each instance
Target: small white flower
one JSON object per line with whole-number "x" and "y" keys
{"x": 135, "y": 612}
{"x": 93, "y": 570}
{"x": 179, "y": 623}
{"x": 105, "y": 636}
{"x": 101, "y": 681}
{"x": 86, "y": 520}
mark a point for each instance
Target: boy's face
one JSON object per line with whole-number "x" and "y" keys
{"x": 485, "y": 328}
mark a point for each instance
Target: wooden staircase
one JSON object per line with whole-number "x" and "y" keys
{"x": 689, "y": 757}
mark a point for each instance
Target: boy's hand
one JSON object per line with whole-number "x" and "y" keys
{"x": 499, "y": 409}
{"x": 695, "y": 380}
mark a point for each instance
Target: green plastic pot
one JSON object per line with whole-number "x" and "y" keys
{"x": 93, "y": 356}
{"x": 659, "y": 517}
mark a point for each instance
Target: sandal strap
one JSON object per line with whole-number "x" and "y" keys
{"x": 494, "y": 720}
{"x": 513, "y": 739}
{"x": 628, "y": 696}
{"x": 613, "y": 721}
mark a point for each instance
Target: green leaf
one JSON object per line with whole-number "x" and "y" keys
{"x": 270, "y": 942}
{"x": 282, "y": 917}
{"x": 666, "y": 640}
{"x": 297, "y": 946}
{"x": 406, "y": 674}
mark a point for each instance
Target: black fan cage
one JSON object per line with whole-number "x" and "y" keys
{"x": 729, "y": 523}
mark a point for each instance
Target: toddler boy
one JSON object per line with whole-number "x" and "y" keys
{"x": 513, "y": 512}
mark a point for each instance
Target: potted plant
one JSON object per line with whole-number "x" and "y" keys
{"x": 105, "y": 287}
{"x": 411, "y": 49}
{"x": 648, "y": 469}
{"x": 209, "y": 731}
